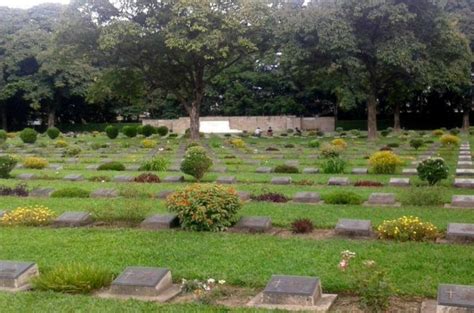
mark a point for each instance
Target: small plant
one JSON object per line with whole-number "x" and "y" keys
{"x": 28, "y": 135}
{"x": 35, "y": 163}
{"x": 237, "y": 143}
{"x": 111, "y": 166}
{"x": 284, "y": 168}
{"x": 454, "y": 131}
{"x": 53, "y": 132}
{"x": 333, "y": 166}
{"x": 149, "y": 144}
{"x": 147, "y": 178}
{"x": 338, "y": 142}
{"x": 437, "y": 132}
{"x": 314, "y": 143}
{"x": 384, "y": 162}
{"x": 385, "y": 148}
{"x": 72, "y": 151}
{"x": 132, "y": 212}
{"x": 343, "y": 197}
{"x": 304, "y": 182}
{"x": 450, "y": 140}
{"x": 162, "y": 131}
{"x": 302, "y": 226}
{"x": 205, "y": 207}
{"x": 129, "y": 131}
{"x": 99, "y": 179}
{"x": 18, "y": 191}
{"x": 61, "y": 143}
{"x": 74, "y": 278}
{"x": 393, "y": 145}
{"x": 271, "y": 197}
{"x": 173, "y": 135}
{"x": 367, "y": 183}
{"x": 423, "y": 196}
{"x": 330, "y": 151}
{"x": 407, "y": 228}
{"x": 432, "y": 170}
{"x": 7, "y": 164}
{"x": 196, "y": 162}
{"x": 71, "y": 192}
{"x": 3, "y": 136}
{"x": 416, "y": 143}
{"x": 384, "y": 133}
{"x": 148, "y": 130}
{"x": 112, "y": 131}
{"x": 272, "y": 149}
{"x": 202, "y": 290}
{"x": 37, "y": 215}
{"x": 158, "y": 164}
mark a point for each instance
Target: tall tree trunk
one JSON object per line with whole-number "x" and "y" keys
{"x": 372, "y": 116}
{"x": 396, "y": 117}
{"x": 4, "y": 118}
{"x": 51, "y": 117}
{"x": 465, "y": 119}
{"x": 194, "y": 120}
{"x": 195, "y": 108}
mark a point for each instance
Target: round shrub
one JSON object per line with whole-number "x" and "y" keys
{"x": 313, "y": 143}
{"x": 423, "y": 196}
{"x": 338, "y": 142}
{"x": 61, "y": 144}
{"x": 111, "y": 166}
{"x": 416, "y": 143}
{"x": 432, "y": 170}
{"x": 7, "y": 164}
{"x": 237, "y": 143}
{"x": 454, "y": 131}
{"x": 129, "y": 131}
{"x": 437, "y": 132}
{"x": 53, "y": 132}
{"x": 333, "y": 166}
{"x": 407, "y": 228}
{"x": 158, "y": 164}
{"x": 148, "y": 143}
{"x": 37, "y": 215}
{"x": 112, "y": 131}
{"x": 205, "y": 207}
{"x": 343, "y": 197}
{"x": 3, "y": 135}
{"x": 450, "y": 140}
{"x": 72, "y": 151}
{"x": 162, "y": 131}
{"x": 384, "y": 162}
{"x": 72, "y": 192}
{"x": 283, "y": 168}
{"x": 330, "y": 151}
{"x": 74, "y": 278}
{"x": 148, "y": 130}
{"x": 196, "y": 162}
{"x": 35, "y": 163}
{"x": 28, "y": 135}
{"x": 302, "y": 226}
{"x": 384, "y": 133}
{"x": 140, "y": 130}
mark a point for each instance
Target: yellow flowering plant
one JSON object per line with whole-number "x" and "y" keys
{"x": 384, "y": 162}
{"x": 37, "y": 215}
{"x": 237, "y": 143}
{"x": 61, "y": 143}
{"x": 338, "y": 142}
{"x": 35, "y": 163}
{"x": 148, "y": 143}
{"x": 450, "y": 140}
{"x": 407, "y": 228}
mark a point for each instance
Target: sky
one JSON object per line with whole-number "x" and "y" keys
{"x": 25, "y": 4}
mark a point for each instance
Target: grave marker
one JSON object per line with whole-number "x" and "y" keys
{"x": 338, "y": 181}
{"x": 73, "y": 219}
{"x": 15, "y": 276}
{"x": 464, "y": 182}
{"x": 349, "y": 227}
{"x": 281, "y": 181}
{"x": 160, "y": 221}
{"x": 464, "y": 172}
{"x": 26, "y": 176}
{"x": 105, "y": 193}
{"x": 254, "y": 224}
{"x": 74, "y": 177}
{"x": 460, "y": 296}
{"x": 164, "y": 194}
{"x": 359, "y": 171}
{"x": 379, "y": 198}
{"x": 409, "y": 171}
{"x": 307, "y": 197}
{"x": 123, "y": 179}
{"x": 41, "y": 192}
{"x": 460, "y": 232}
{"x": 174, "y": 179}
{"x": 226, "y": 180}
{"x": 462, "y": 201}
{"x": 310, "y": 170}
{"x": 399, "y": 182}
{"x": 263, "y": 170}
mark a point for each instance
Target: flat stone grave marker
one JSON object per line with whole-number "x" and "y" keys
{"x": 465, "y": 152}
{"x": 263, "y": 170}
{"x": 174, "y": 168}
{"x": 132, "y": 167}
{"x": 74, "y": 177}
{"x": 464, "y": 158}
{"x": 409, "y": 171}
{"x": 144, "y": 282}
{"x": 244, "y": 195}
{"x": 174, "y": 179}
{"x": 56, "y": 167}
{"x": 26, "y": 176}
{"x": 15, "y": 276}
{"x": 73, "y": 219}
{"x": 281, "y": 181}
{"x": 359, "y": 171}
{"x": 338, "y": 181}
{"x": 462, "y": 201}
{"x": 464, "y": 164}
{"x": 164, "y": 194}
{"x": 72, "y": 160}
{"x": 18, "y": 166}
{"x": 379, "y": 198}
{"x": 92, "y": 167}
{"x": 41, "y": 192}
{"x": 254, "y": 224}
{"x": 464, "y": 182}
{"x": 310, "y": 170}
{"x": 459, "y": 296}
{"x": 219, "y": 169}
{"x": 105, "y": 193}
{"x": 160, "y": 221}
{"x": 294, "y": 163}
{"x": 464, "y": 172}
{"x": 460, "y": 232}
{"x": 399, "y": 182}
{"x": 226, "y": 180}
{"x": 307, "y": 197}
{"x": 349, "y": 227}
{"x": 123, "y": 179}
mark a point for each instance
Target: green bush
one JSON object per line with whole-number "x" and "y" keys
{"x": 129, "y": 131}
{"x": 3, "y": 135}
{"x": 71, "y": 192}
{"x": 162, "y": 131}
{"x": 140, "y": 130}
{"x": 393, "y": 145}
{"x": 74, "y": 278}
{"x": 148, "y": 130}
{"x": 53, "y": 132}
{"x": 283, "y": 168}
{"x": 196, "y": 162}
{"x": 28, "y": 135}
{"x": 330, "y": 151}
{"x": 192, "y": 144}
{"x": 173, "y": 135}
{"x": 132, "y": 212}
{"x": 7, "y": 164}
{"x": 384, "y": 133}
{"x": 158, "y": 164}
{"x": 423, "y": 196}
{"x": 333, "y": 166}
{"x": 416, "y": 143}
{"x": 111, "y": 166}
{"x": 205, "y": 207}
{"x": 112, "y": 131}
{"x": 432, "y": 170}
{"x": 313, "y": 143}
{"x": 343, "y": 197}
{"x": 72, "y": 151}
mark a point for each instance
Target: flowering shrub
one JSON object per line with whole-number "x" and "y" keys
{"x": 205, "y": 207}
{"x": 407, "y": 228}
{"x": 338, "y": 142}
{"x": 7, "y": 164}
{"x": 330, "y": 151}
{"x": 432, "y": 170}
{"x": 28, "y": 216}
{"x": 302, "y": 226}
{"x": 384, "y": 162}
{"x": 35, "y": 163}
{"x": 148, "y": 143}
{"x": 450, "y": 140}
{"x": 196, "y": 162}
{"x": 333, "y": 166}
{"x": 201, "y": 289}
{"x": 437, "y": 132}
{"x": 237, "y": 143}
{"x": 60, "y": 143}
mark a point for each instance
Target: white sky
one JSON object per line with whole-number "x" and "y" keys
{"x": 25, "y": 4}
